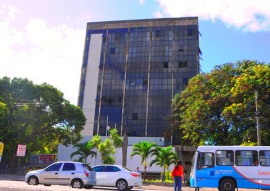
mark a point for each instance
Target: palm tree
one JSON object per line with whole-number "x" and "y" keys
{"x": 143, "y": 149}
{"x": 164, "y": 157}
{"x": 84, "y": 150}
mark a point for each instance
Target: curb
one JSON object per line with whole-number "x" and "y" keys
{"x": 11, "y": 177}
{"x": 157, "y": 184}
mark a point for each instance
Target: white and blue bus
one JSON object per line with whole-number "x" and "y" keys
{"x": 231, "y": 167}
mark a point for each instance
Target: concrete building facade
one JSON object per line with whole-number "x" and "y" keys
{"x": 132, "y": 69}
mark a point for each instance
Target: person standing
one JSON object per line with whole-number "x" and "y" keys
{"x": 177, "y": 175}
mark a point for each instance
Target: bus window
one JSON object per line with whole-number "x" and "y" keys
{"x": 205, "y": 160}
{"x": 224, "y": 158}
{"x": 246, "y": 158}
{"x": 265, "y": 158}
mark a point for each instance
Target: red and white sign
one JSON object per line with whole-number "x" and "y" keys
{"x": 46, "y": 158}
{"x": 21, "y": 150}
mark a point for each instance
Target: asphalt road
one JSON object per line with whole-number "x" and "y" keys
{"x": 16, "y": 183}
{"x": 11, "y": 185}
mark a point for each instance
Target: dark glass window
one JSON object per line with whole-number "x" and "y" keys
{"x": 132, "y": 82}
{"x": 98, "y": 168}
{"x": 205, "y": 160}
{"x": 181, "y": 49}
{"x": 185, "y": 81}
{"x": 158, "y": 33}
{"x": 54, "y": 167}
{"x": 165, "y": 64}
{"x": 265, "y": 158}
{"x": 69, "y": 167}
{"x": 134, "y": 116}
{"x": 224, "y": 158}
{"x": 168, "y": 46}
{"x": 145, "y": 82}
{"x": 246, "y": 158}
{"x": 111, "y": 169}
{"x": 189, "y": 32}
{"x": 182, "y": 64}
{"x": 112, "y": 50}
{"x": 119, "y": 99}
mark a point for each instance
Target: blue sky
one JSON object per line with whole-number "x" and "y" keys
{"x": 43, "y": 40}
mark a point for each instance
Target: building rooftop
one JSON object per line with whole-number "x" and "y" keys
{"x": 143, "y": 23}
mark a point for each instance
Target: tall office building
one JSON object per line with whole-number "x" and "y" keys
{"x": 132, "y": 69}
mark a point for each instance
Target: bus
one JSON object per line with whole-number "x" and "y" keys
{"x": 231, "y": 167}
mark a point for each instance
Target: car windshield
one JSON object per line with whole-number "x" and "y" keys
{"x": 86, "y": 166}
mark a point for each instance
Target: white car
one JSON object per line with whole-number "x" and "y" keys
{"x": 117, "y": 176}
{"x": 76, "y": 174}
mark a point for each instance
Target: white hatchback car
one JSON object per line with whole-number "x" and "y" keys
{"x": 117, "y": 176}
{"x": 76, "y": 174}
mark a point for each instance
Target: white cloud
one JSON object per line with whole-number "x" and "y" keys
{"x": 158, "y": 14}
{"x": 42, "y": 53}
{"x": 248, "y": 15}
{"x": 141, "y": 2}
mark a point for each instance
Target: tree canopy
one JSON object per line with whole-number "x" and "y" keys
{"x": 37, "y": 116}
{"x": 164, "y": 157}
{"x": 107, "y": 148}
{"x": 219, "y": 107}
{"x": 84, "y": 150}
{"x": 144, "y": 149}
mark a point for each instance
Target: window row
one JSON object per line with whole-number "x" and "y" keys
{"x": 230, "y": 158}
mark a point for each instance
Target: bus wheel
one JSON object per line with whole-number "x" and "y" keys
{"x": 227, "y": 184}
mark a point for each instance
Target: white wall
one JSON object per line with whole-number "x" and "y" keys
{"x": 64, "y": 155}
{"x": 91, "y": 82}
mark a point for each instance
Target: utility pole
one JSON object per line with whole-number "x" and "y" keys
{"x": 257, "y": 114}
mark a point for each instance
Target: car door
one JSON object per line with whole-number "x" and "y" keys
{"x": 100, "y": 175}
{"x": 67, "y": 173}
{"x": 50, "y": 174}
{"x": 111, "y": 174}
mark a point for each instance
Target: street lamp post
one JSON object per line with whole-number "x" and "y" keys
{"x": 107, "y": 126}
{"x": 108, "y": 130}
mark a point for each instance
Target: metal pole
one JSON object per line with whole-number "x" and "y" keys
{"x": 107, "y": 125}
{"x": 148, "y": 86}
{"x": 257, "y": 114}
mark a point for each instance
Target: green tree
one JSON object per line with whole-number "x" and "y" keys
{"x": 84, "y": 150}
{"x": 164, "y": 157}
{"x": 107, "y": 148}
{"x": 220, "y": 106}
{"x": 144, "y": 149}
{"x": 107, "y": 151}
{"x": 37, "y": 116}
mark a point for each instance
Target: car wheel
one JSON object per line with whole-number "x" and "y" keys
{"x": 122, "y": 184}
{"x": 32, "y": 180}
{"x": 130, "y": 187}
{"x": 76, "y": 183}
{"x": 88, "y": 187}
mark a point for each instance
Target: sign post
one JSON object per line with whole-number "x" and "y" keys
{"x": 1, "y": 150}
{"x": 21, "y": 150}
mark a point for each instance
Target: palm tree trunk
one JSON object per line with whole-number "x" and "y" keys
{"x": 144, "y": 176}
{"x": 163, "y": 177}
